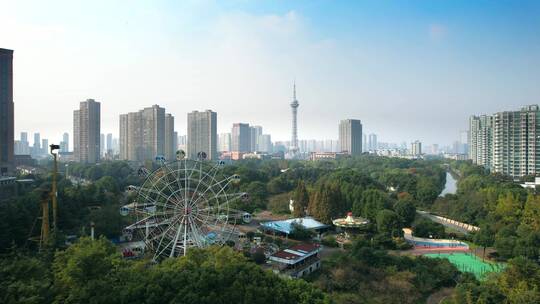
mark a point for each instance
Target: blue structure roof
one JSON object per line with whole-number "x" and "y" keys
{"x": 285, "y": 225}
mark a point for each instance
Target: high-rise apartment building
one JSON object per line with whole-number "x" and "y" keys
{"x": 372, "y": 142}
{"x": 7, "y": 121}
{"x": 64, "y": 144}
{"x": 480, "y": 140}
{"x": 109, "y": 143}
{"x": 255, "y": 132}
{"x": 516, "y": 142}
{"x": 241, "y": 137}
{"x": 182, "y": 143}
{"x": 115, "y": 146}
{"x": 153, "y": 130}
{"x": 143, "y": 134}
{"x": 175, "y": 143}
{"x": 265, "y": 143}
{"x": 224, "y": 142}
{"x": 350, "y": 136}
{"x": 44, "y": 146}
{"x": 24, "y": 136}
{"x": 202, "y": 134}
{"x": 22, "y": 146}
{"x": 102, "y": 145}
{"x": 170, "y": 141}
{"x": 123, "y": 140}
{"x": 507, "y": 142}
{"x": 416, "y": 148}
{"x": 86, "y": 131}
{"x": 332, "y": 145}
{"x": 364, "y": 143}
{"x": 37, "y": 141}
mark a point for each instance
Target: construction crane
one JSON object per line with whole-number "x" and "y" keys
{"x": 54, "y": 192}
{"x": 44, "y": 237}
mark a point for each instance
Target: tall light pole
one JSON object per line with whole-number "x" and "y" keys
{"x": 54, "y": 193}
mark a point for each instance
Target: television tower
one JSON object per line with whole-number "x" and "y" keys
{"x": 294, "y": 107}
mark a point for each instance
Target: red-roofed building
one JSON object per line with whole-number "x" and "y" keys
{"x": 297, "y": 261}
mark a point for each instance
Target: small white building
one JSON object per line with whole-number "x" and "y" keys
{"x": 531, "y": 185}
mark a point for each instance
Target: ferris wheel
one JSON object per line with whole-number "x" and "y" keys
{"x": 183, "y": 204}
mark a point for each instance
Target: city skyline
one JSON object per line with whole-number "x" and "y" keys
{"x": 406, "y": 65}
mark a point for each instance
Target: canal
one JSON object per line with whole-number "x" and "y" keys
{"x": 451, "y": 185}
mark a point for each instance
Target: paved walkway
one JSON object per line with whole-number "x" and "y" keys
{"x": 450, "y": 223}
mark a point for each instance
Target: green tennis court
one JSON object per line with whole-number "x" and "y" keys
{"x": 469, "y": 263}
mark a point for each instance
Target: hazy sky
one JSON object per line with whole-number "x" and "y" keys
{"x": 408, "y": 69}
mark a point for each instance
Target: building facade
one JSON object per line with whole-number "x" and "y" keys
{"x": 265, "y": 143}
{"x": 350, "y": 136}
{"x": 153, "y": 131}
{"x": 146, "y": 134}
{"x": 64, "y": 144}
{"x": 372, "y": 142}
{"x": 507, "y": 142}
{"x": 109, "y": 150}
{"x": 170, "y": 140}
{"x": 241, "y": 137}
{"x": 202, "y": 134}
{"x": 416, "y": 148}
{"x": 224, "y": 142}
{"x": 480, "y": 140}
{"x": 7, "y": 120}
{"x": 255, "y": 133}
{"x": 86, "y": 132}
{"x": 515, "y": 142}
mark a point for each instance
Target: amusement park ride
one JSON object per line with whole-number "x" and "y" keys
{"x": 184, "y": 204}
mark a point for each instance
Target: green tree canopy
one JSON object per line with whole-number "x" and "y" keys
{"x": 300, "y": 199}
{"x": 326, "y": 203}
{"x": 406, "y": 211}
{"x": 389, "y": 222}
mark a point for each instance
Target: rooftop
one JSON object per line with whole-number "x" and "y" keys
{"x": 285, "y": 226}
{"x": 295, "y": 253}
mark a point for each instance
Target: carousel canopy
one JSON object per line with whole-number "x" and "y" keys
{"x": 350, "y": 221}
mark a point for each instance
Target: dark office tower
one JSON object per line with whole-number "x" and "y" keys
{"x": 7, "y": 131}
{"x": 240, "y": 138}
{"x": 86, "y": 131}
{"x": 350, "y": 136}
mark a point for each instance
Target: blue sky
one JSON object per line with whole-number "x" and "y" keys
{"x": 408, "y": 69}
